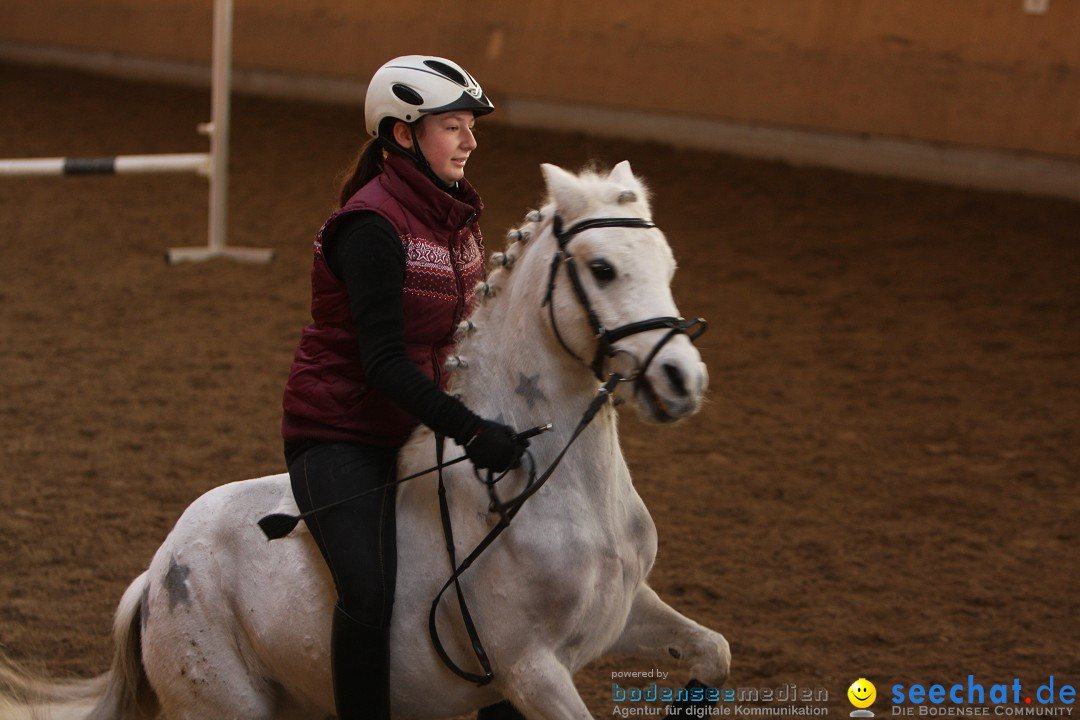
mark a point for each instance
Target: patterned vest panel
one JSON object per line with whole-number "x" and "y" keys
{"x": 326, "y": 396}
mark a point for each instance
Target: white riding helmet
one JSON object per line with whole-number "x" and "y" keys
{"x": 411, "y": 86}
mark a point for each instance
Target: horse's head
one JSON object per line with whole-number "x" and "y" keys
{"x": 608, "y": 298}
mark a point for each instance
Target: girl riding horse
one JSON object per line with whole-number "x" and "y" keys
{"x": 393, "y": 276}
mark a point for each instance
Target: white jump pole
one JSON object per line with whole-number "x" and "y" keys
{"x": 218, "y": 131}
{"x": 213, "y": 165}
{"x": 198, "y": 163}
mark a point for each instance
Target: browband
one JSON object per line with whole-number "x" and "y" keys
{"x": 563, "y": 236}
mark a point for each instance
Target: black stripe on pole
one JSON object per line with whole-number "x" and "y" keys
{"x": 90, "y": 166}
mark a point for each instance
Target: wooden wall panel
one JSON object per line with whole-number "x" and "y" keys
{"x": 976, "y": 72}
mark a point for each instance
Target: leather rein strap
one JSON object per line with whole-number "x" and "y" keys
{"x": 606, "y": 339}
{"x": 507, "y": 511}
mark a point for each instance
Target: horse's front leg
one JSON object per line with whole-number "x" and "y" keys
{"x": 654, "y": 628}
{"x": 541, "y": 688}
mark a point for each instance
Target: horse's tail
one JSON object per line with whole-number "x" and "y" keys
{"x": 122, "y": 693}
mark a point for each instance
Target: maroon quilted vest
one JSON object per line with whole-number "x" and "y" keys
{"x": 327, "y": 396}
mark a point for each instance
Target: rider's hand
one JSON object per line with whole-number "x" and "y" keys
{"x": 495, "y": 447}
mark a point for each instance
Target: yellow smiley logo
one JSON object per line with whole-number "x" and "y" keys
{"x": 862, "y": 693}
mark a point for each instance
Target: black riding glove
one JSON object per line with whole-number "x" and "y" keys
{"x": 495, "y": 447}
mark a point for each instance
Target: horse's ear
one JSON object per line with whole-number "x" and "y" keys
{"x": 565, "y": 189}
{"x": 632, "y": 190}
{"x": 622, "y": 173}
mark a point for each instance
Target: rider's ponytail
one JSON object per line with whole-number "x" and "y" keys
{"x": 368, "y": 164}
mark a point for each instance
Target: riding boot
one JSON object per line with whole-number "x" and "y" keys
{"x": 502, "y": 711}
{"x": 360, "y": 665}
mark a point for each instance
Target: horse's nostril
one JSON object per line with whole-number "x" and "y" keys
{"x": 675, "y": 379}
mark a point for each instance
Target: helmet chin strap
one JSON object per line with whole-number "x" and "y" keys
{"x": 416, "y": 156}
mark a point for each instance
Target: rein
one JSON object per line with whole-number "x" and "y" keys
{"x": 507, "y": 511}
{"x": 277, "y": 525}
{"x": 606, "y": 339}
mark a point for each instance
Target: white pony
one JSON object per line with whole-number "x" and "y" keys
{"x": 226, "y": 624}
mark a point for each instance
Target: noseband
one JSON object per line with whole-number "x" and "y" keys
{"x": 606, "y": 338}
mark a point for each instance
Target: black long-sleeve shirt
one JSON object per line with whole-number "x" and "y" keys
{"x": 364, "y": 252}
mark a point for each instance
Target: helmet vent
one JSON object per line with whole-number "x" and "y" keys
{"x": 407, "y": 94}
{"x": 447, "y": 72}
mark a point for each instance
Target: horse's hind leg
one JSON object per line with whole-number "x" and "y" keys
{"x": 194, "y": 658}
{"x": 199, "y": 679}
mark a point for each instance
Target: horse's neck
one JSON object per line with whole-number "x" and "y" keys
{"x": 529, "y": 381}
{"x": 524, "y": 385}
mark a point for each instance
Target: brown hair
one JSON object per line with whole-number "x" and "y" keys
{"x": 368, "y": 164}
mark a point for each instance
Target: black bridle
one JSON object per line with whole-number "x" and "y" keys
{"x": 606, "y": 338}
{"x": 606, "y": 348}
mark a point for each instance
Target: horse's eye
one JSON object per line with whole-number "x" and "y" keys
{"x": 602, "y": 270}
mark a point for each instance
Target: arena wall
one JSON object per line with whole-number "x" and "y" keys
{"x": 977, "y": 74}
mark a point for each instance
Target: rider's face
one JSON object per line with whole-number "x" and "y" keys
{"x": 447, "y": 140}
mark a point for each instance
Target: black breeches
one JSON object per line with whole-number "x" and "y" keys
{"x": 357, "y": 539}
